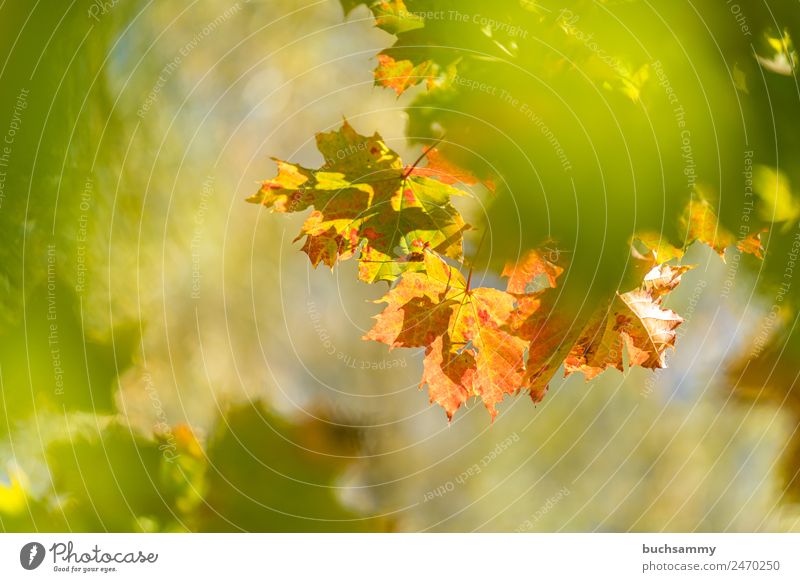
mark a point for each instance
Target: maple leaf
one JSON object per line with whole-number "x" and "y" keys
{"x": 366, "y": 201}
{"x": 401, "y": 75}
{"x": 471, "y": 349}
{"x": 701, "y": 223}
{"x": 395, "y": 18}
{"x": 633, "y": 322}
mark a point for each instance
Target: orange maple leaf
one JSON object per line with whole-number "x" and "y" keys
{"x": 472, "y": 349}
{"x": 634, "y": 322}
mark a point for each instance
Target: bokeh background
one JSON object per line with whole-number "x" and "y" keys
{"x": 170, "y": 362}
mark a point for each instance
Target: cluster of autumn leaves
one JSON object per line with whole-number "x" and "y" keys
{"x": 400, "y": 223}
{"x": 479, "y": 342}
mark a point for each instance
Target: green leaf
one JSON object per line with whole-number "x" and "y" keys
{"x": 366, "y": 201}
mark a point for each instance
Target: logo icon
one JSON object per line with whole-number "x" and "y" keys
{"x": 31, "y": 555}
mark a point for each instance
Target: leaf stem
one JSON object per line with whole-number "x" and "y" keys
{"x": 419, "y": 159}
